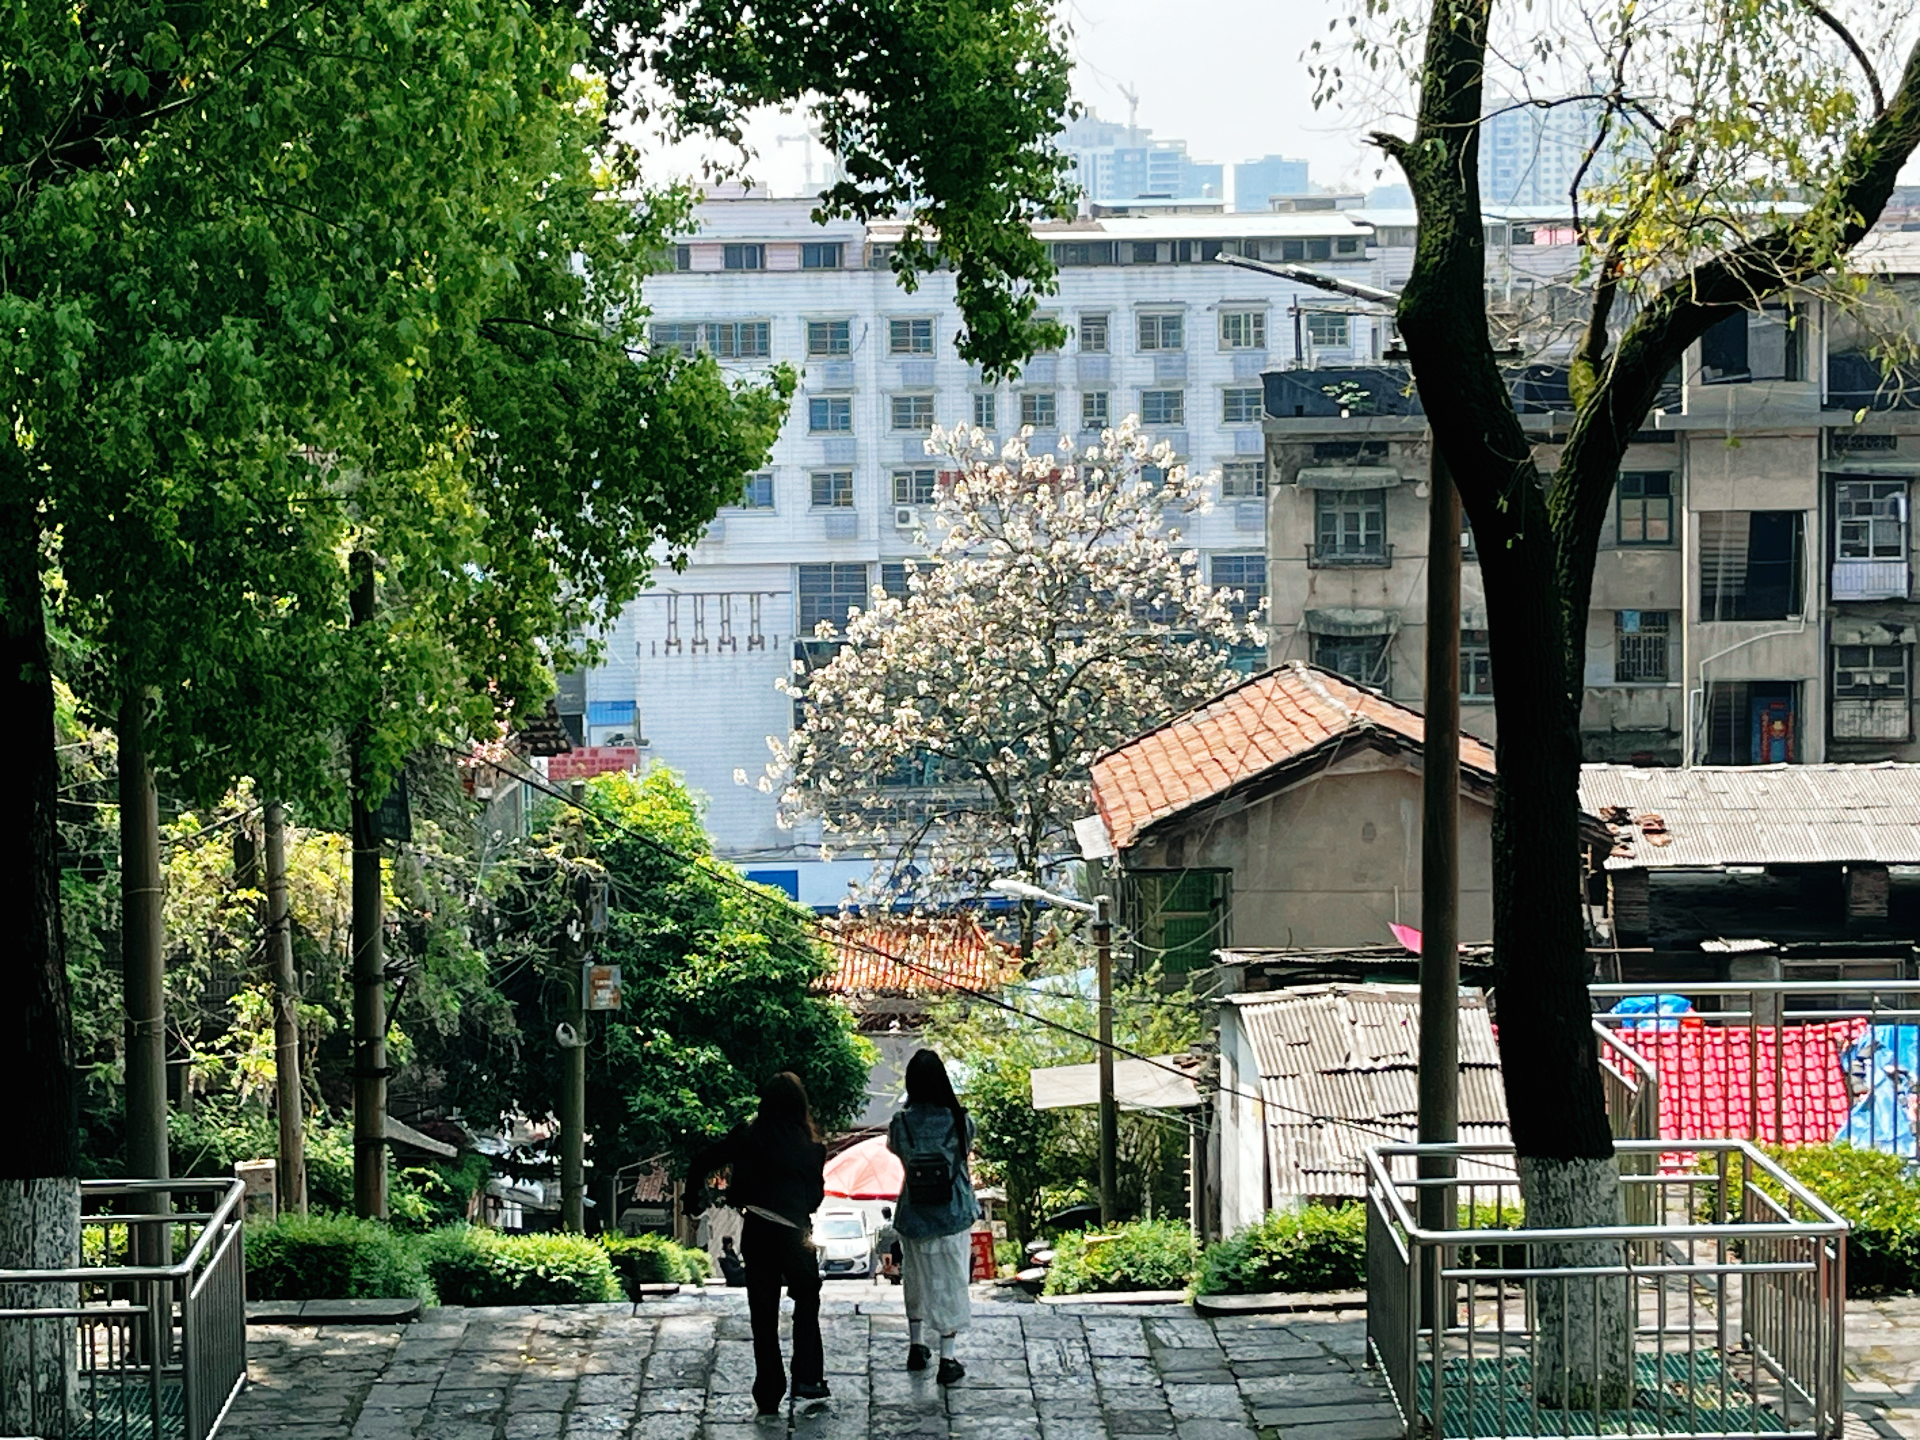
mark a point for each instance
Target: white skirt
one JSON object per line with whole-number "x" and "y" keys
{"x": 933, "y": 1274}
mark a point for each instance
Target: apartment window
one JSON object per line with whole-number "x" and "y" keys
{"x": 829, "y": 337}
{"x": 984, "y": 410}
{"x": 1640, "y": 647}
{"x": 1350, "y": 526}
{"x": 1037, "y": 409}
{"x": 684, "y": 338}
{"x": 744, "y": 257}
{"x": 1750, "y": 564}
{"x": 1358, "y": 657}
{"x": 821, "y": 255}
{"x": 828, "y": 592}
{"x": 1182, "y": 916}
{"x": 1476, "y": 666}
{"x": 832, "y": 489}
{"x": 1162, "y": 332}
{"x": 1093, "y": 334}
{"x": 913, "y": 412}
{"x": 1243, "y": 479}
{"x": 1643, "y": 508}
{"x": 1243, "y": 330}
{"x": 1163, "y": 407}
{"x": 1095, "y": 410}
{"x": 893, "y": 579}
{"x": 1246, "y": 574}
{"x": 757, "y": 494}
{"x": 830, "y": 414}
{"x": 913, "y": 487}
{"x": 1240, "y": 406}
{"x": 910, "y": 337}
{"x": 1306, "y": 249}
{"x": 1328, "y": 330}
{"x": 1349, "y": 450}
{"x": 1870, "y": 519}
{"x": 683, "y": 257}
{"x": 739, "y": 340}
{"x": 1872, "y": 692}
{"x": 1751, "y": 345}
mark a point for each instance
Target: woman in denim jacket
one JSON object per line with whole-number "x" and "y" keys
{"x": 934, "y": 1236}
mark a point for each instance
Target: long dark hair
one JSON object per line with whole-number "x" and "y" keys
{"x": 928, "y": 1084}
{"x": 784, "y": 1107}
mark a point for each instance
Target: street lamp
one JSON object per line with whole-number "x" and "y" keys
{"x": 1102, "y": 914}
{"x": 1440, "y": 802}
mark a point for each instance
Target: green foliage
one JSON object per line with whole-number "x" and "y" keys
{"x": 1316, "y": 1247}
{"x": 1044, "y": 1158}
{"x": 1143, "y": 1255}
{"x": 718, "y": 982}
{"x": 470, "y": 1266}
{"x": 655, "y": 1260}
{"x": 1876, "y": 1193}
{"x": 332, "y": 1257}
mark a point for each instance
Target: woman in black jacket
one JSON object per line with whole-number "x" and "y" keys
{"x": 777, "y": 1183}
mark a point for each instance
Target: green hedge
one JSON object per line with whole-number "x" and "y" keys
{"x": 470, "y": 1266}
{"x": 656, "y": 1260}
{"x": 1313, "y": 1248}
{"x": 332, "y": 1257}
{"x": 1145, "y": 1255}
{"x": 1877, "y": 1194}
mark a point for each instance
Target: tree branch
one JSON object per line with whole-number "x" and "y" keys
{"x": 1827, "y": 18}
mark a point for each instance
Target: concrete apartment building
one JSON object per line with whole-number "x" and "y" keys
{"x": 1752, "y": 601}
{"x": 1157, "y": 328}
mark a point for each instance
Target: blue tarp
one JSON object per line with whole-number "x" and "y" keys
{"x": 1647, "y": 1010}
{"x": 1882, "y": 1066}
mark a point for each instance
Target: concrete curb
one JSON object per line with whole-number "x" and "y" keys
{"x": 1280, "y": 1302}
{"x": 333, "y": 1312}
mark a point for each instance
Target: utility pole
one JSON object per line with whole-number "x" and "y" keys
{"x": 1109, "y": 1109}
{"x": 369, "y": 960}
{"x": 143, "y": 966}
{"x": 1440, "y": 853}
{"x": 286, "y": 1018}
{"x": 573, "y": 1078}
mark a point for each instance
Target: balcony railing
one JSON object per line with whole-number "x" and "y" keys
{"x": 1378, "y": 557}
{"x": 1870, "y": 580}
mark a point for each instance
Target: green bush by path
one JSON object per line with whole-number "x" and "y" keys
{"x": 656, "y": 1260}
{"x": 1144, "y": 1255}
{"x": 332, "y": 1257}
{"x": 1314, "y": 1248}
{"x": 470, "y": 1266}
{"x": 1875, "y": 1193}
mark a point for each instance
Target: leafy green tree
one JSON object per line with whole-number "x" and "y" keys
{"x": 719, "y": 984}
{"x": 1755, "y": 146}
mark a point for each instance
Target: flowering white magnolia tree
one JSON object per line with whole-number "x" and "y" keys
{"x": 1056, "y": 614}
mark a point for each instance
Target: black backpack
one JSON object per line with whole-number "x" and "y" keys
{"x": 930, "y": 1173}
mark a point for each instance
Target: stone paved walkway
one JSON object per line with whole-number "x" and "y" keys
{"x": 681, "y": 1369}
{"x": 1883, "y": 1363}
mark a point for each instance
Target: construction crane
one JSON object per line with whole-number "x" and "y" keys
{"x": 806, "y": 142}
{"x": 1132, "y": 97}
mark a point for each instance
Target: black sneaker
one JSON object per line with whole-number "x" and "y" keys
{"x": 951, "y": 1371}
{"x": 811, "y": 1390}
{"x": 917, "y": 1357}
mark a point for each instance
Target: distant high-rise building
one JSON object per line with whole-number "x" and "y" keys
{"x": 1530, "y": 154}
{"x": 1114, "y": 162}
{"x": 1255, "y": 180}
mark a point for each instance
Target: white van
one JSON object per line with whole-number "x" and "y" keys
{"x": 845, "y": 1242}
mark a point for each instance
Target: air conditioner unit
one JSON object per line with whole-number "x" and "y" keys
{"x": 906, "y": 517}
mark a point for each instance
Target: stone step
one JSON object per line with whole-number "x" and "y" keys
{"x": 1280, "y": 1302}
{"x": 333, "y": 1312}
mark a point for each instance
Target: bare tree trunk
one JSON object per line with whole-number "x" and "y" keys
{"x": 39, "y": 1189}
{"x": 288, "y": 1098}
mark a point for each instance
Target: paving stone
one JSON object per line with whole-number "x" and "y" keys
{"x": 666, "y": 1427}
{"x": 670, "y": 1401}
{"x": 535, "y": 1425}
{"x": 1205, "y": 1402}
{"x": 1378, "y": 1429}
{"x": 598, "y": 1420}
{"x": 1215, "y": 1430}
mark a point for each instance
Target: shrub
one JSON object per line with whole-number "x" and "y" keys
{"x": 470, "y": 1266}
{"x": 1313, "y": 1248}
{"x": 656, "y": 1260}
{"x": 1875, "y": 1193}
{"x": 1144, "y": 1255}
{"x": 331, "y": 1257}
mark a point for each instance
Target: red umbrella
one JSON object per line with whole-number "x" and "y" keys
{"x": 867, "y": 1171}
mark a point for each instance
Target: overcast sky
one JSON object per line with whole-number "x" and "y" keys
{"x": 1223, "y": 75}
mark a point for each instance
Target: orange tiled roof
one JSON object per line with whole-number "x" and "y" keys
{"x": 952, "y": 947}
{"x": 1271, "y": 719}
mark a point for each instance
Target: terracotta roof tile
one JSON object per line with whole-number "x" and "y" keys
{"x": 1269, "y": 720}
{"x": 940, "y": 952}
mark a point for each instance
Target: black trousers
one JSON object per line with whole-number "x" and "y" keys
{"x": 776, "y": 1255}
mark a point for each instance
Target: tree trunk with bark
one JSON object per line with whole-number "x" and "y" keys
{"x": 39, "y": 1186}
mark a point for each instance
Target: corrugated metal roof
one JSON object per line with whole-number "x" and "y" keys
{"x": 1334, "y": 1053}
{"x": 1707, "y": 817}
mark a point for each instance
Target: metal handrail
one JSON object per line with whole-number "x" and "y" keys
{"x": 211, "y": 1222}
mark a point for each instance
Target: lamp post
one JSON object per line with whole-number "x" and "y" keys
{"x": 1101, "y": 911}
{"x": 1440, "y": 799}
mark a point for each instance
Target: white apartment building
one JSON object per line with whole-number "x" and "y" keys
{"x": 1156, "y": 328}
